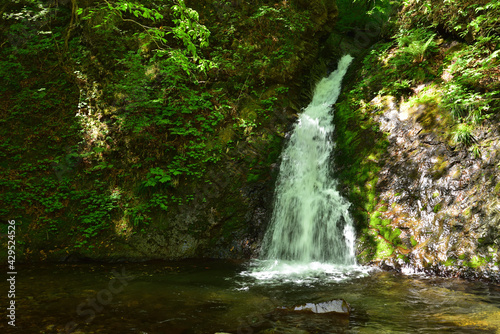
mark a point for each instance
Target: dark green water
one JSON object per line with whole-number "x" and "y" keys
{"x": 212, "y": 296}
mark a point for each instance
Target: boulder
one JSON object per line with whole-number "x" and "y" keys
{"x": 337, "y": 306}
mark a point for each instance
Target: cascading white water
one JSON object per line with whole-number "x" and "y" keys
{"x": 311, "y": 222}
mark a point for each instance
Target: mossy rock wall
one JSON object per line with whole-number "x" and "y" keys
{"x": 418, "y": 148}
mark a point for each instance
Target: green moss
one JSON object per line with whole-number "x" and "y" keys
{"x": 390, "y": 234}
{"x": 467, "y": 212}
{"x": 369, "y": 201}
{"x": 404, "y": 258}
{"x": 384, "y": 249}
{"x": 497, "y": 188}
{"x": 476, "y": 262}
{"x": 450, "y": 262}
{"x": 375, "y": 220}
{"x": 413, "y": 241}
{"x": 439, "y": 168}
{"x": 437, "y": 208}
{"x": 386, "y": 222}
{"x": 429, "y": 95}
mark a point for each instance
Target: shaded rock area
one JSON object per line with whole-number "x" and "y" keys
{"x": 444, "y": 201}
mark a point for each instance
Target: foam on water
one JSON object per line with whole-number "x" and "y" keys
{"x": 283, "y": 271}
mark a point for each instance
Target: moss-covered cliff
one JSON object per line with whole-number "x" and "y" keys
{"x": 419, "y": 140}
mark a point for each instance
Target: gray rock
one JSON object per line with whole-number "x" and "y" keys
{"x": 338, "y": 306}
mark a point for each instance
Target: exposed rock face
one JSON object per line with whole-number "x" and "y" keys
{"x": 445, "y": 201}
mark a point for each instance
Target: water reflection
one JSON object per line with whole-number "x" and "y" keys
{"x": 214, "y": 296}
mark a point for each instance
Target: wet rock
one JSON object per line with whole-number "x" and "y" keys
{"x": 337, "y": 306}
{"x": 325, "y": 317}
{"x": 447, "y": 199}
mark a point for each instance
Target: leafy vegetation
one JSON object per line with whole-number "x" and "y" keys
{"x": 363, "y": 15}
{"x": 463, "y": 134}
{"x": 415, "y": 45}
{"x": 117, "y": 115}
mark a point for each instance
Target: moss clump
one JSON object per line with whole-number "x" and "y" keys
{"x": 497, "y": 188}
{"x": 439, "y": 168}
{"x": 450, "y": 262}
{"x": 390, "y": 234}
{"x": 384, "y": 249}
{"x": 413, "y": 241}
{"x": 476, "y": 262}
{"x": 375, "y": 218}
{"x": 383, "y": 208}
{"x": 437, "y": 208}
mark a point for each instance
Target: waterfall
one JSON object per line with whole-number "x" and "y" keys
{"x": 310, "y": 221}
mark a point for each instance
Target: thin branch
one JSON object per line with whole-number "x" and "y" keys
{"x": 145, "y": 27}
